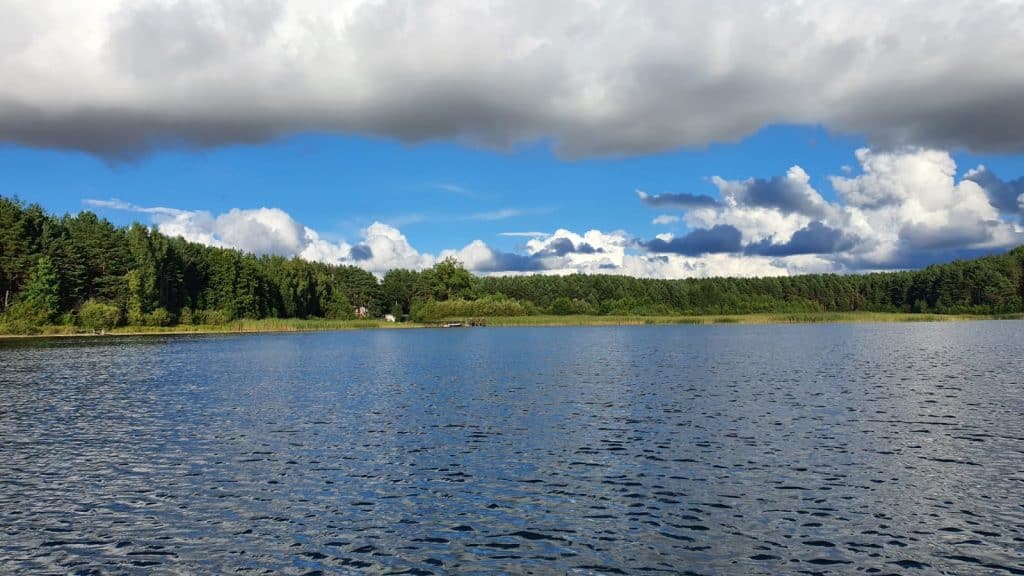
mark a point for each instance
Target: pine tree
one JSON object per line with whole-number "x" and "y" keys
{"x": 40, "y": 300}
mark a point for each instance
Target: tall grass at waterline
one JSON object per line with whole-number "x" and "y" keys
{"x": 318, "y": 324}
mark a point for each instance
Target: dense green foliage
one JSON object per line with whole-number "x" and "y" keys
{"x": 989, "y": 285}
{"x": 84, "y": 270}
{"x": 97, "y": 316}
{"x": 488, "y": 306}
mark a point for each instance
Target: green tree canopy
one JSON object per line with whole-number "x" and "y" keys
{"x": 41, "y": 297}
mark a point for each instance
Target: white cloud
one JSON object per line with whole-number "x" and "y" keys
{"x": 116, "y": 204}
{"x": 764, "y": 209}
{"x": 482, "y": 259}
{"x": 909, "y": 200}
{"x": 894, "y": 178}
{"x": 663, "y": 219}
{"x": 198, "y": 226}
{"x": 566, "y": 252}
{"x": 319, "y": 250}
{"x": 903, "y": 209}
{"x": 715, "y": 265}
{"x": 1004, "y": 195}
{"x": 477, "y": 255}
{"x": 261, "y": 231}
{"x": 390, "y": 249}
{"x": 755, "y": 224}
{"x": 117, "y": 77}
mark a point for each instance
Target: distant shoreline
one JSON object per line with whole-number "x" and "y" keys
{"x": 267, "y": 326}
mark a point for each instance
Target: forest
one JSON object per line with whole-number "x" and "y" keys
{"x": 81, "y": 270}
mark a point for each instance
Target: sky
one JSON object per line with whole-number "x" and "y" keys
{"x": 659, "y": 139}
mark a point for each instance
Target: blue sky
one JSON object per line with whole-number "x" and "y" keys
{"x": 447, "y": 129}
{"x": 441, "y": 194}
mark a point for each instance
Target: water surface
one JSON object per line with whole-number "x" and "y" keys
{"x": 818, "y": 449}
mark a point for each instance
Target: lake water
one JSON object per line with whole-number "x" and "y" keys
{"x": 595, "y": 450}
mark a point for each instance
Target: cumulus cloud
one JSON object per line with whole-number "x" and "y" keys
{"x": 791, "y": 193}
{"x": 671, "y": 265}
{"x": 593, "y": 252}
{"x": 909, "y": 201}
{"x": 388, "y": 248}
{"x": 560, "y": 246}
{"x": 481, "y": 258}
{"x": 260, "y": 231}
{"x": 904, "y": 209}
{"x": 893, "y": 179}
{"x": 119, "y": 78}
{"x": 1007, "y": 196}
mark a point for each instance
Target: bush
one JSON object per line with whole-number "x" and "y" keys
{"x": 158, "y": 317}
{"x": 562, "y": 307}
{"x": 97, "y": 316}
{"x": 211, "y": 317}
{"x": 18, "y": 326}
{"x": 23, "y": 313}
{"x": 565, "y": 306}
{"x": 337, "y": 307}
{"x": 434, "y": 311}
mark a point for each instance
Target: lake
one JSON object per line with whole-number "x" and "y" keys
{"x": 831, "y": 449}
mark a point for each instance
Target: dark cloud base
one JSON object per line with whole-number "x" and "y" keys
{"x": 216, "y": 73}
{"x": 681, "y": 200}
{"x": 721, "y": 238}
{"x": 815, "y": 238}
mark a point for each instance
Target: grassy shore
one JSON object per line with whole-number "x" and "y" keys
{"x": 764, "y": 318}
{"x": 236, "y": 327}
{"x": 299, "y": 325}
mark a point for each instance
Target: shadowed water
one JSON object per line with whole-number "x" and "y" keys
{"x": 681, "y": 449}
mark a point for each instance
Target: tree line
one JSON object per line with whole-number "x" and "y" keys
{"x": 81, "y": 269}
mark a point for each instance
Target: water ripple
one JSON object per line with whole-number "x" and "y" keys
{"x": 701, "y": 450}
